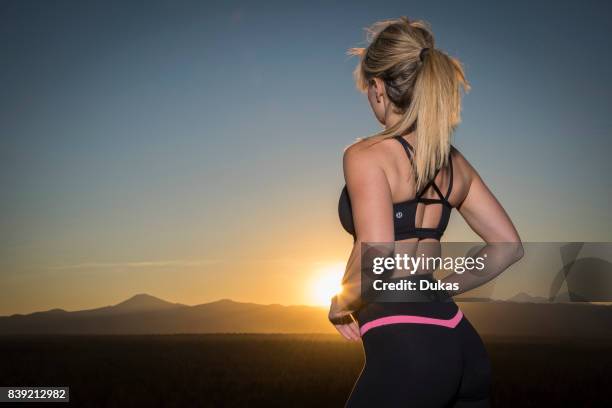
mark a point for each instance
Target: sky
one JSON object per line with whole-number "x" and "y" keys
{"x": 192, "y": 150}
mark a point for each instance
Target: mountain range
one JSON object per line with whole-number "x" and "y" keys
{"x": 146, "y": 314}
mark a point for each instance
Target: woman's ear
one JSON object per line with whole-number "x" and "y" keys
{"x": 379, "y": 88}
{"x": 376, "y": 99}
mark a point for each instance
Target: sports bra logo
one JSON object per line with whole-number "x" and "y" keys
{"x": 399, "y": 214}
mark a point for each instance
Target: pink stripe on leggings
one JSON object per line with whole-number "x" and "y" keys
{"x": 383, "y": 321}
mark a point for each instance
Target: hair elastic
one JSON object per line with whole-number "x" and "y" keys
{"x": 424, "y": 51}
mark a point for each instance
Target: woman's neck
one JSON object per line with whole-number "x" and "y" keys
{"x": 392, "y": 118}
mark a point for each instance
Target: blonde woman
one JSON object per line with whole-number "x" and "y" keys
{"x": 401, "y": 185}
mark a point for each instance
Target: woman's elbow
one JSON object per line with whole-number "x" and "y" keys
{"x": 511, "y": 247}
{"x": 516, "y": 250}
{"x": 519, "y": 251}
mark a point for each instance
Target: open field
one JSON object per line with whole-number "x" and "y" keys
{"x": 276, "y": 369}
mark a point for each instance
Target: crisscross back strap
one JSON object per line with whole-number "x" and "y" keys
{"x": 410, "y": 153}
{"x": 432, "y": 183}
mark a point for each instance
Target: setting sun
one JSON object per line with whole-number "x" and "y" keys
{"x": 326, "y": 283}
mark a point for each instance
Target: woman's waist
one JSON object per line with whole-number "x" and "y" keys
{"x": 441, "y": 310}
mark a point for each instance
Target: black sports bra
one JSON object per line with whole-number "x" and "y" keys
{"x": 404, "y": 213}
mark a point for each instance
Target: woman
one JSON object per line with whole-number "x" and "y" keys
{"x": 401, "y": 185}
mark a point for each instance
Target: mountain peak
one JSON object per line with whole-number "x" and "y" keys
{"x": 224, "y": 300}
{"x": 142, "y": 302}
{"x": 144, "y": 296}
{"x": 523, "y": 297}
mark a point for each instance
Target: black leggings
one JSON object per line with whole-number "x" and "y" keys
{"x": 422, "y": 365}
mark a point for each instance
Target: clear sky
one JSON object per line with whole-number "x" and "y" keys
{"x": 192, "y": 150}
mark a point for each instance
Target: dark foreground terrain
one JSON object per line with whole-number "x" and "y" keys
{"x": 276, "y": 370}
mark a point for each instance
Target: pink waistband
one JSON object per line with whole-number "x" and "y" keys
{"x": 383, "y": 321}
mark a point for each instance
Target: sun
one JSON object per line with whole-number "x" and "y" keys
{"x": 326, "y": 283}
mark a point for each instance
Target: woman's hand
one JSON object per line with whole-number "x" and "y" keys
{"x": 344, "y": 322}
{"x": 349, "y": 331}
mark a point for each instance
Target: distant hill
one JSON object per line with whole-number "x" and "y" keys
{"x": 146, "y": 314}
{"x": 527, "y": 298}
{"x": 142, "y": 303}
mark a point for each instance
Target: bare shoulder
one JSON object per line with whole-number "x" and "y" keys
{"x": 365, "y": 163}
{"x": 463, "y": 171}
{"x": 367, "y": 153}
{"x": 461, "y": 161}
{"x": 366, "y": 178}
{"x": 457, "y": 156}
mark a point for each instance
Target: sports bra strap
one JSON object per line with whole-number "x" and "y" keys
{"x": 432, "y": 183}
{"x": 410, "y": 152}
{"x": 435, "y": 186}
{"x": 450, "y": 180}
{"x": 407, "y": 146}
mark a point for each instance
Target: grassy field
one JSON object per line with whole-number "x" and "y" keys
{"x": 276, "y": 370}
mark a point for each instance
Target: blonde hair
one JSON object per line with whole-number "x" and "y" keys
{"x": 426, "y": 91}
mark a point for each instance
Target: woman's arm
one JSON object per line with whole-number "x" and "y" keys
{"x": 483, "y": 213}
{"x": 487, "y": 218}
{"x": 372, "y": 207}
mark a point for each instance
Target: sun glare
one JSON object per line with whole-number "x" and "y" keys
{"x": 327, "y": 283}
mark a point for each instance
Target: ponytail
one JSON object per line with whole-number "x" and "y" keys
{"x": 437, "y": 103}
{"x": 422, "y": 82}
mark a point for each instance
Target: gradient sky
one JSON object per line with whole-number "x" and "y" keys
{"x": 192, "y": 150}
